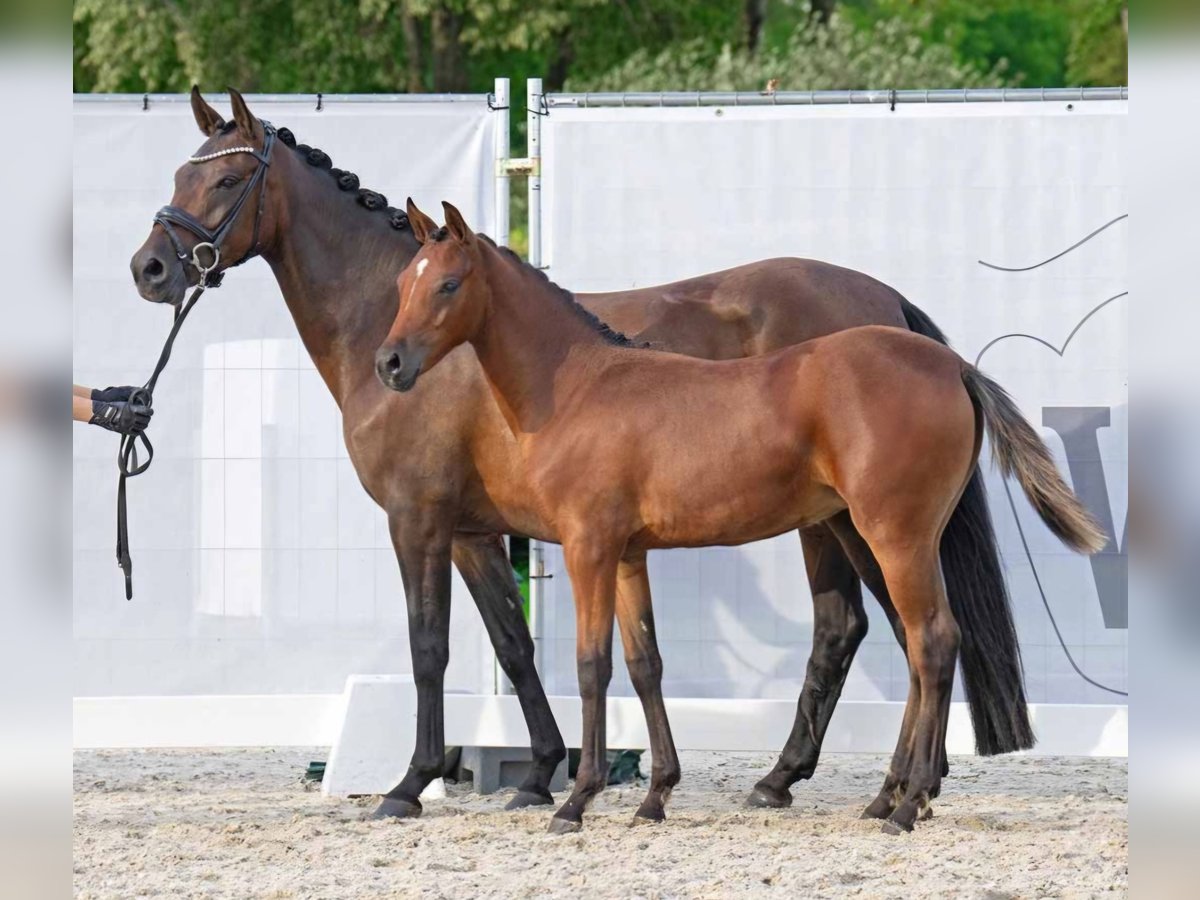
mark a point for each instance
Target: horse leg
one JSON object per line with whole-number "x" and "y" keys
{"x": 839, "y": 626}
{"x": 867, "y": 567}
{"x": 635, "y": 616}
{"x": 484, "y": 566}
{"x": 915, "y": 577}
{"x": 423, "y": 550}
{"x": 593, "y": 571}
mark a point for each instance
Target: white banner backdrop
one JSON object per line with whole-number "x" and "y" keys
{"x": 260, "y": 565}
{"x": 939, "y": 201}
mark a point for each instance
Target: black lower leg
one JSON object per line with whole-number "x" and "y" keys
{"x": 425, "y": 567}
{"x": 485, "y": 568}
{"x": 595, "y": 672}
{"x": 839, "y": 626}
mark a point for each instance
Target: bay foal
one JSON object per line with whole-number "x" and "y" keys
{"x": 625, "y": 450}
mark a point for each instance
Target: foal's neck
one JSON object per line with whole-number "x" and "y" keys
{"x": 336, "y": 264}
{"x": 533, "y": 346}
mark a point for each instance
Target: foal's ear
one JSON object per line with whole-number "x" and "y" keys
{"x": 456, "y": 225}
{"x": 207, "y": 118}
{"x": 248, "y": 126}
{"x": 422, "y": 226}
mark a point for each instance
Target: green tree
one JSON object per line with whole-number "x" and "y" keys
{"x": 818, "y": 55}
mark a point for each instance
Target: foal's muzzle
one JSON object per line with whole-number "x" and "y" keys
{"x": 398, "y": 366}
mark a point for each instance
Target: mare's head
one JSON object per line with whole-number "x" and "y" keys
{"x": 222, "y": 189}
{"x": 444, "y": 298}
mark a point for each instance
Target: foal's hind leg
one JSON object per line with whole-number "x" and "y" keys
{"x": 915, "y": 578}
{"x": 868, "y": 570}
{"x": 839, "y": 626}
{"x": 636, "y": 618}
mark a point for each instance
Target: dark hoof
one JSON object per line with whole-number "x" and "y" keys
{"x": 901, "y": 821}
{"x": 879, "y": 809}
{"x": 926, "y": 814}
{"x": 395, "y": 808}
{"x": 890, "y": 826}
{"x": 564, "y": 826}
{"x": 649, "y": 814}
{"x": 529, "y": 798}
{"x": 769, "y": 798}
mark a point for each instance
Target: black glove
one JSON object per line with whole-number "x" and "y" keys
{"x": 121, "y": 417}
{"x": 113, "y": 394}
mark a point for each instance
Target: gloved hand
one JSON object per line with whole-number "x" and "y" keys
{"x": 112, "y": 410}
{"x": 113, "y": 394}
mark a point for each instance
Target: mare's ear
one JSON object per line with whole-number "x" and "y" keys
{"x": 456, "y": 225}
{"x": 207, "y": 118}
{"x": 422, "y": 226}
{"x": 248, "y": 126}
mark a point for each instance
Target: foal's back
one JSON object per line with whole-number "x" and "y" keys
{"x": 724, "y": 452}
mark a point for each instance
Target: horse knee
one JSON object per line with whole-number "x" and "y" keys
{"x": 595, "y": 673}
{"x": 645, "y": 672}
{"x": 430, "y": 656}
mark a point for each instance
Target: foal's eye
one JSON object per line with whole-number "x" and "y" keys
{"x": 229, "y": 181}
{"x": 449, "y": 287}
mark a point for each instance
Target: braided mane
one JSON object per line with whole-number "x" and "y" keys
{"x": 346, "y": 181}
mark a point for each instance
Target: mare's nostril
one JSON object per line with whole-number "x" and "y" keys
{"x": 153, "y": 268}
{"x": 393, "y": 363}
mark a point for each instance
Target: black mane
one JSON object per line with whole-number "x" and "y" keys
{"x": 602, "y": 328}
{"x": 346, "y": 181}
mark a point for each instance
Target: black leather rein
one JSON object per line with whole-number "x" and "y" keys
{"x": 171, "y": 217}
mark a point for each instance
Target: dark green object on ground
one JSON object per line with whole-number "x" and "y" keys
{"x": 623, "y": 765}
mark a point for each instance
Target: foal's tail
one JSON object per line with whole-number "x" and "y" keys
{"x": 1021, "y": 453}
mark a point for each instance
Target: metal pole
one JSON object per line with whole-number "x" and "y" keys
{"x": 533, "y": 150}
{"x": 533, "y": 107}
{"x": 537, "y": 582}
{"x": 500, "y": 224}
{"x": 503, "y": 150}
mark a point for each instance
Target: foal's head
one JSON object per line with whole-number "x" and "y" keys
{"x": 207, "y": 187}
{"x": 443, "y": 299}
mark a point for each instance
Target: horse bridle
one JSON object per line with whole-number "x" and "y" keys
{"x": 171, "y": 217}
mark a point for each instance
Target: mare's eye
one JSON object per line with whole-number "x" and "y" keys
{"x": 449, "y": 287}
{"x": 229, "y": 181}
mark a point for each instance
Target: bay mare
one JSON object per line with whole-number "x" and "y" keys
{"x": 624, "y": 449}
{"x": 438, "y": 461}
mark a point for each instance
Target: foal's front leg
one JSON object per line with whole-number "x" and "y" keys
{"x": 593, "y": 571}
{"x": 423, "y": 551}
{"x": 635, "y": 615}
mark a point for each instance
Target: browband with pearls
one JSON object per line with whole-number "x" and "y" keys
{"x": 226, "y": 152}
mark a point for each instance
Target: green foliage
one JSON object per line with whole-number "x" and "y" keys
{"x": 1099, "y": 50}
{"x": 834, "y": 56}
{"x": 398, "y": 45}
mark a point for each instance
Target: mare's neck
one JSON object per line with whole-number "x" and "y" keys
{"x": 532, "y": 345}
{"x": 336, "y": 264}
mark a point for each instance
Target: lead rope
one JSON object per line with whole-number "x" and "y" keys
{"x": 127, "y": 456}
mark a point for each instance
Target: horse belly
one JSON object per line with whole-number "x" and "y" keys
{"x": 733, "y": 502}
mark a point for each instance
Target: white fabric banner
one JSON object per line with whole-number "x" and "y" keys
{"x": 943, "y": 202}
{"x": 260, "y": 565}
